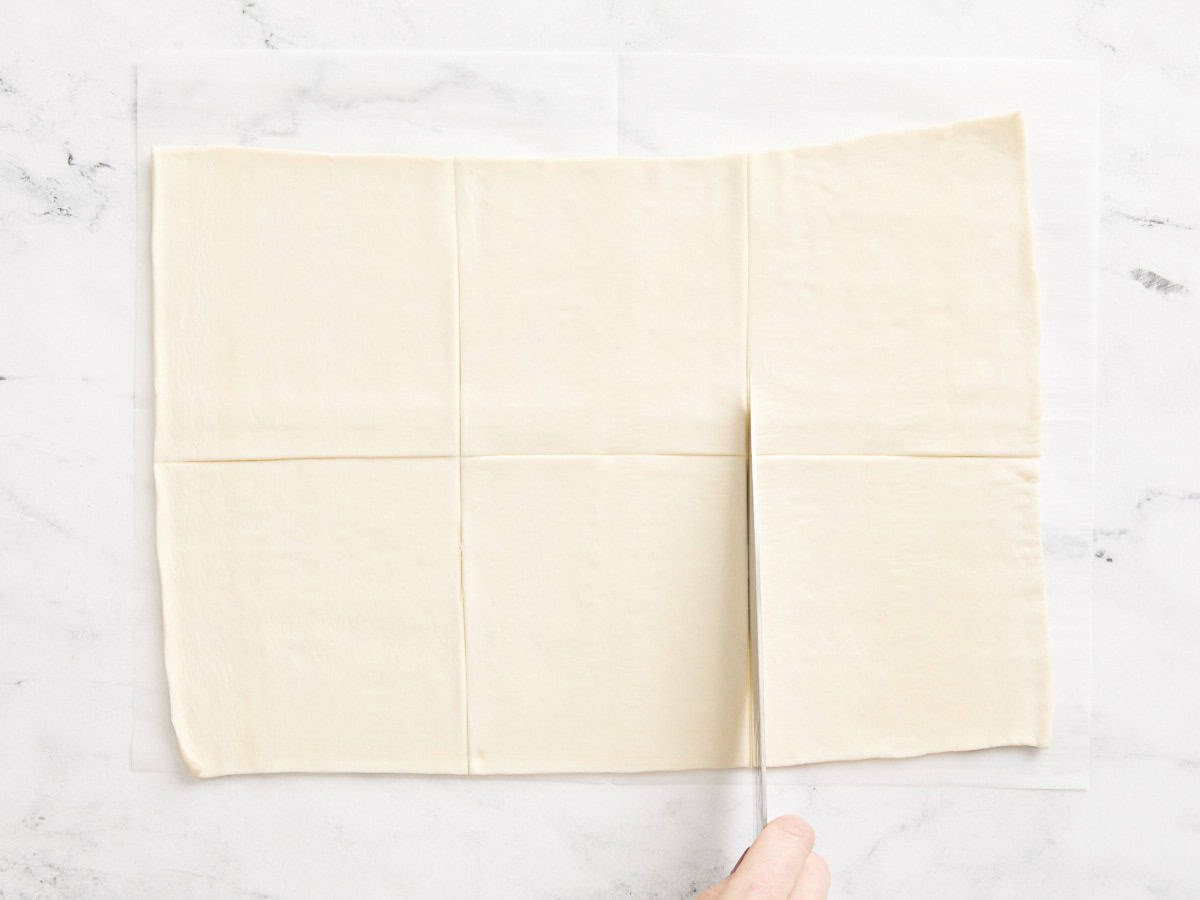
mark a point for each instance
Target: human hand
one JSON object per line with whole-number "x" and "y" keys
{"x": 779, "y": 865}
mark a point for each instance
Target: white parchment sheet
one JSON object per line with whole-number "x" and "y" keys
{"x": 603, "y": 104}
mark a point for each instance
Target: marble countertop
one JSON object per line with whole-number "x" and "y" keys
{"x": 77, "y": 821}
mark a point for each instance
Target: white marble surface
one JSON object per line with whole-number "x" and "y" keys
{"x": 76, "y": 820}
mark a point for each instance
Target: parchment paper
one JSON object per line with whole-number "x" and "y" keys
{"x": 600, "y": 104}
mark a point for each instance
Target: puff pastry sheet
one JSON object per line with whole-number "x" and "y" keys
{"x": 450, "y": 456}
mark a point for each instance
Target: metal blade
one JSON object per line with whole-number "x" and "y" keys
{"x": 758, "y": 736}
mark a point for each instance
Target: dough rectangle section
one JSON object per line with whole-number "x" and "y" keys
{"x": 902, "y": 606}
{"x": 312, "y": 615}
{"x": 304, "y": 305}
{"x": 894, "y": 356}
{"x": 606, "y": 612}
{"x": 893, "y": 297}
{"x": 603, "y": 305}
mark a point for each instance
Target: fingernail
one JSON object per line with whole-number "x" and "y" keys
{"x": 739, "y": 862}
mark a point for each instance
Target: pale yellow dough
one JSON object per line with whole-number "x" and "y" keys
{"x": 907, "y": 618}
{"x": 535, "y": 558}
{"x": 606, "y": 612}
{"x": 894, "y": 304}
{"x": 312, "y": 615}
{"x": 894, "y": 357}
{"x": 603, "y": 306}
{"x": 305, "y": 305}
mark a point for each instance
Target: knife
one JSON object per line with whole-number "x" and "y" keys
{"x": 757, "y": 736}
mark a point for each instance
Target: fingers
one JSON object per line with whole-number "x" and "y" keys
{"x": 772, "y": 866}
{"x": 813, "y": 883}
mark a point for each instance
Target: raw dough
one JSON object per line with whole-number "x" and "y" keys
{"x": 603, "y": 305}
{"x": 893, "y": 298}
{"x": 308, "y": 306}
{"x": 312, "y": 615}
{"x": 304, "y": 305}
{"x": 894, "y": 313}
{"x": 902, "y": 606}
{"x": 606, "y": 612}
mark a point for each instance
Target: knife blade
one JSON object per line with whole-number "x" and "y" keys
{"x": 758, "y": 736}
